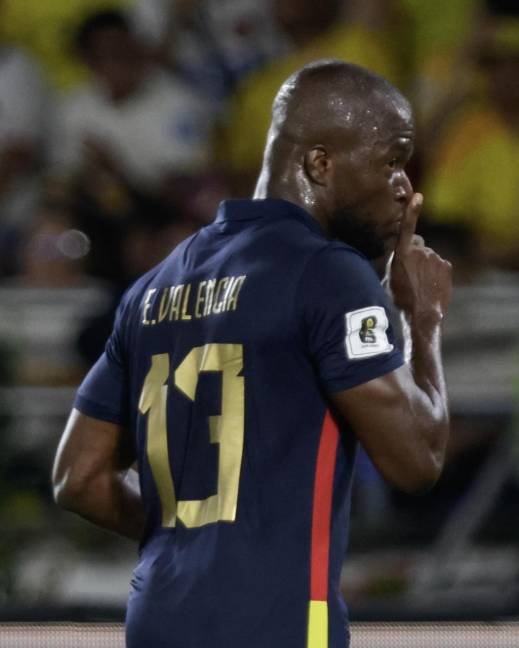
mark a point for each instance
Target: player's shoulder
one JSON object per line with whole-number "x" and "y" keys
{"x": 297, "y": 240}
{"x": 336, "y": 249}
{"x": 337, "y": 275}
{"x": 336, "y": 261}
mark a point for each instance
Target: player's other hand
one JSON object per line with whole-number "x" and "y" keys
{"x": 420, "y": 280}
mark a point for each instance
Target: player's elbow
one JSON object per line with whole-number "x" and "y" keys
{"x": 69, "y": 491}
{"x": 420, "y": 475}
{"x": 418, "y": 485}
{"x": 423, "y": 459}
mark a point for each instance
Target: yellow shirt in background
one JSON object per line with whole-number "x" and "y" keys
{"x": 250, "y": 113}
{"x": 440, "y": 31}
{"x": 46, "y": 29}
{"x": 439, "y": 25}
{"x": 475, "y": 178}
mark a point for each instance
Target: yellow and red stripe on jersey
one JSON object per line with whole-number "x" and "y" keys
{"x": 321, "y": 523}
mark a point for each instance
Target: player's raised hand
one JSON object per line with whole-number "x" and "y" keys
{"x": 421, "y": 280}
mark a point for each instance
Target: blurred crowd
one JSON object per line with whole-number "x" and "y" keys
{"x": 124, "y": 122}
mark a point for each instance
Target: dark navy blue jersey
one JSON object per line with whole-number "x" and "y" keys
{"x": 219, "y": 367}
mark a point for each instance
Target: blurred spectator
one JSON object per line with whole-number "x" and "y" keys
{"x": 54, "y": 253}
{"x": 475, "y": 177}
{"x": 45, "y": 28}
{"x": 45, "y": 305}
{"x": 315, "y": 30}
{"x": 125, "y": 142}
{"x": 23, "y": 120}
{"x": 442, "y": 34}
{"x": 212, "y": 44}
{"x": 131, "y": 123}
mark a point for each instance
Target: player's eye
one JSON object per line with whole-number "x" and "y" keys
{"x": 393, "y": 163}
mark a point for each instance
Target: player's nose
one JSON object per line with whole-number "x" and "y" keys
{"x": 403, "y": 188}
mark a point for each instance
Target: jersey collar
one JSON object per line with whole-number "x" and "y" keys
{"x": 242, "y": 210}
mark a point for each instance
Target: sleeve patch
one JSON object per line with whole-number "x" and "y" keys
{"x": 366, "y": 333}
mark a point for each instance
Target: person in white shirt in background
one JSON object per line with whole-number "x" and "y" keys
{"x": 132, "y": 121}
{"x": 212, "y": 44}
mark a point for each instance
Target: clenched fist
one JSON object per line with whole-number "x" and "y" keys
{"x": 420, "y": 280}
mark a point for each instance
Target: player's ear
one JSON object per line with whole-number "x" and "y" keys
{"x": 318, "y": 165}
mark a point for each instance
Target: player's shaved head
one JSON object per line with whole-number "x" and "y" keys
{"x": 328, "y": 97}
{"x": 338, "y": 143}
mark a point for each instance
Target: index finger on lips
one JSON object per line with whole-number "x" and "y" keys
{"x": 408, "y": 226}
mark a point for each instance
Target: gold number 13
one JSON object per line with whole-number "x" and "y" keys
{"x": 226, "y": 429}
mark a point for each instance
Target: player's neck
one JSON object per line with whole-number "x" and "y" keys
{"x": 278, "y": 186}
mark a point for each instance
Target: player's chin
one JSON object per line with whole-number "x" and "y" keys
{"x": 390, "y": 243}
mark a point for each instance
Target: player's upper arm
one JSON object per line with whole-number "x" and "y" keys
{"x": 90, "y": 450}
{"x": 346, "y": 316}
{"x": 389, "y": 417}
{"x": 96, "y": 443}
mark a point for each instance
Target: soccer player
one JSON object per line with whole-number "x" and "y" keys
{"x": 244, "y": 369}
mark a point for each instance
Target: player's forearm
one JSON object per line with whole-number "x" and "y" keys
{"x": 427, "y": 368}
{"x": 111, "y": 501}
{"x": 421, "y": 284}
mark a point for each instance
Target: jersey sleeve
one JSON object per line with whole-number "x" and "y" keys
{"x": 103, "y": 394}
{"x": 346, "y": 319}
